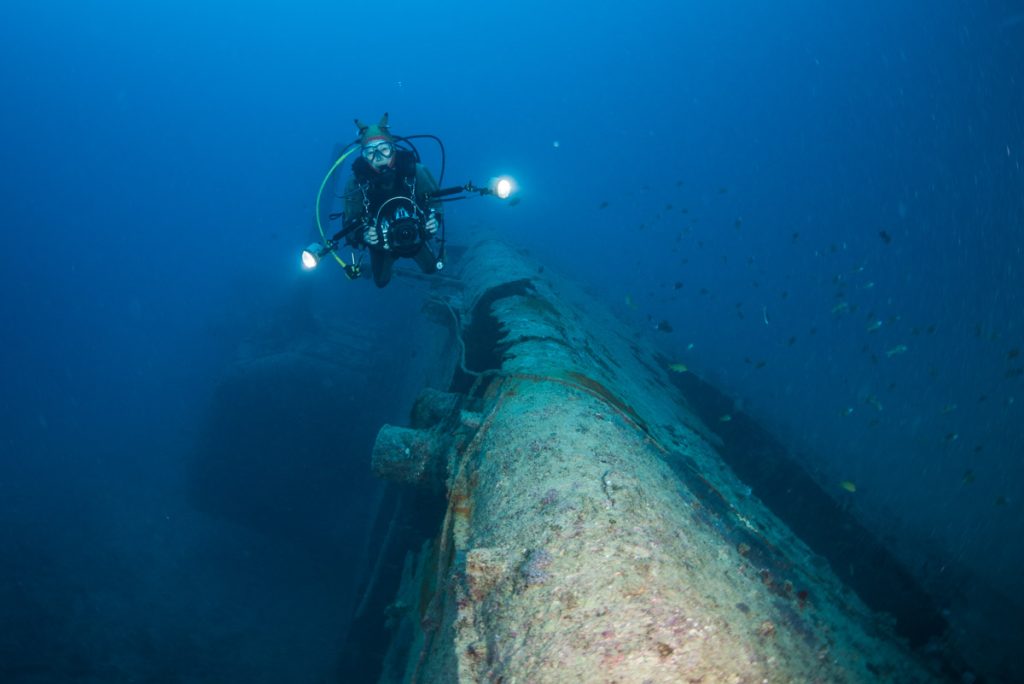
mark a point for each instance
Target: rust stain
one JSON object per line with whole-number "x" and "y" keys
{"x": 606, "y": 394}
{"x": 596, "y": 389}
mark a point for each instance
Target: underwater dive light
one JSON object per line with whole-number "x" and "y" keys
{"x": 502, "y": 187}
{"x": 311, "y": 255}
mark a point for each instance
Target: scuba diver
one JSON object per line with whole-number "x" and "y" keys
{"x": 389, "y": 197}
{"x": 392, "y": 205}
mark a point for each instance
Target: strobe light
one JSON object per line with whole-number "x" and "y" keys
{"x": 311, "y": 256}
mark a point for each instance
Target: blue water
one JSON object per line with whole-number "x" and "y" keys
{"x": 739, "y": 170}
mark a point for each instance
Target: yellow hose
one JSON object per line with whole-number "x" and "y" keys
{"x": 319, "y": 194}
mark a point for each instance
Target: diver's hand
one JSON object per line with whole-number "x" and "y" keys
{"x": 370, "y": 236}
{"x": 431, "y": 225}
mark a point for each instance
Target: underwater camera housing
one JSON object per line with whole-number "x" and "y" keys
{"x": 401, "y": 226}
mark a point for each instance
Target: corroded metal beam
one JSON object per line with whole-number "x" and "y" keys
{"x": 593, "y": 534}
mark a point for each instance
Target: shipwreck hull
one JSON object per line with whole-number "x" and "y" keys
{"x": 592, "y": 531}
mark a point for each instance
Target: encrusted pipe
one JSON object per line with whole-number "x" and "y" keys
{"x": 403, "y": 454}
{"x": 593, "y": 534}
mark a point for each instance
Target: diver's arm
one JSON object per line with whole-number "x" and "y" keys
{"x": 426, "y": 186}
{"x": 353, "y": 214}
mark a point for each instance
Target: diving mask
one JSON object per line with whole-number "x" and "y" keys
{"x": 381, "y": 150}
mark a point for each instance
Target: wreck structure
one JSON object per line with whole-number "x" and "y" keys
{"x": 581, "y": 522}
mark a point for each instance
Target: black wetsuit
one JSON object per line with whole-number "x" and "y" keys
{"x": 369, "y": 189}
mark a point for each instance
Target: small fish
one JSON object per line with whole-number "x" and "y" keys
{"x": 724, "y": 418}
{"x": 952, "y": 436}
{"x": 689, "y": 346}
{"x": 603, "y": 205}
{"x": 846, "y": 411}
{"x": 949, "y": 408}
{"x": 873, "y": 401}
{"x": 898, "y": 349}
{"x": 868, "y": 285}
{"x": 663, "y": 326}
{"x": 840, "y": 307}
{"x": 886, "y": 238}
{"x": 677, "y": 285}
{"x": 968, "y": 477}
{"x": 629, "y": 302}
{"x": 514, "y": 201}
{"x": 848, "y": 486}
{"x": 1002, "y": 501}
{"x": 874, "y": 325}
{"x": 678, "y": 367}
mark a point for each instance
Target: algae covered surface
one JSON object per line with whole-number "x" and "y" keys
{"x": 594, "y": 535}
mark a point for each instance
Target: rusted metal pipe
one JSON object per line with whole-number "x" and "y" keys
{"x": 592, "y": 532}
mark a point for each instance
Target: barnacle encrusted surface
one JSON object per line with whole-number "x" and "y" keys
{"x": 587, "y": 542}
